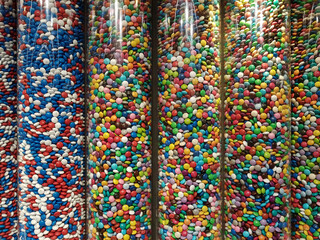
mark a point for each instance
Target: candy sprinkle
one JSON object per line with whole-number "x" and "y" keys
{"x": 51, "y": 119}
{"x": 8, "y": 120}
{"x": 305, "y": 76}
{"x": 189, "y": 96}
{"x": 119, "y": 164}
{"x": 257, "y": 119}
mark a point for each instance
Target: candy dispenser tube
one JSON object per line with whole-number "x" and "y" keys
{"x": 257, "y": 180}
{"x": 189, "y": 127}
{"x": 8, "y": 121}
{"x": 50, "y": 119}
{"x": 119, "y": 163}
{"x": 305, "y": 80}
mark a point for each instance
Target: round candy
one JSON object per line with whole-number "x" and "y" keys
{"x": 51, "y": 119}
{"x": 8, "y": 120}
{"x": 189, "y": 129}
{"x": 305, "y": 79}
{"x": 257, "y": 119}
{"x": 119, "y": 119}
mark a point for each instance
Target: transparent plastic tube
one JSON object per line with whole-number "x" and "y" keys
{"x": 189, "y": 96}
{"x": 119, "y": 118}
{"x": 257, "y": 119}
{"x": 305, "y": 73}
{"x": 51, "y": 119}
{"x": 8, "y": 120}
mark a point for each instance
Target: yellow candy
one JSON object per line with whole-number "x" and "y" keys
{"x": 125, "y": 207}
{"x": 273, "y": 72}
{"x": 307, "y": 212}
{"x": 269, "y": 234}
{"x": 186, "y": 151}
{"x": 133, "y": 223}
{"x": 203, "y": 100}
{"x": 104, "y": 183}
{"x": 115, "y": 68}
{"x": 263, "y": 116}
{"x": 198, "y": 114}
{"x": 310, "y": 142}
{"x": 130, "y": 59}
{"x": 263, "y": 85}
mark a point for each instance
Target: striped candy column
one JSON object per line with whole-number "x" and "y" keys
{"x": 51, "y": 119}
{"x": 8, "y": 122}
{"x": 305, "y": 72}
{"x": 189, "y": 96}
{"x": 119, "y": 118}
{"x": 257, "y": 119}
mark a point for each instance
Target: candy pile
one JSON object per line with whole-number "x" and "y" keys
{"x": 51, "y": 120}
{"x": 189, "y": 75}
{"x": 305, "y": 72}
{"x": 8, "y": 122}
{"x": 258, "y": 118}
{"x": 119, "y": 164}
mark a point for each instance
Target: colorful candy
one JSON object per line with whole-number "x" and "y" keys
{"x": 119, "y": 164}
{"x": 8, "y": 121}
{"x": 51, "y": 119}
{"x": 189, "y": 96}
{"x": 257, "y": 119}
{"x": 305, "y": 73}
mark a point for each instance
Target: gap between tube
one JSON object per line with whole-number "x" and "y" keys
{"x": 155, "y": 121}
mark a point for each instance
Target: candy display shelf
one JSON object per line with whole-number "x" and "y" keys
{"x": 162, "y": 120}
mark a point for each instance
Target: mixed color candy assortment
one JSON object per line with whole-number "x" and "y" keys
{"x": 119, "y": 164}
{"x": 8, "y": 122}
{"x": 257, "y": 119}
{"x": 50, "y": 108}
{"x": 305, "y": 141}
{"x": 51, "y": 119}
{"x": 189, "y": 129}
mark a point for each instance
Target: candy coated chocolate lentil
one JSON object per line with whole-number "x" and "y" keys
{"x": 189, "y": 97}
{"x": 119, "y": 164}
{"x": 257, "y": 119}
{"x": 305, "y": 80}
{"x": 8, "y": 122}
{"x": 51, "y": 119}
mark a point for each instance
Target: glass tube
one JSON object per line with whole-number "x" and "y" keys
{"x": 51, "y": 119}
{"x": 119, "y": 117}
{"x": 8, "y": 120}
{"x": 305, "y": 72}
{"x": 189, "y": 129}
{"x": 257, "y": 119}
